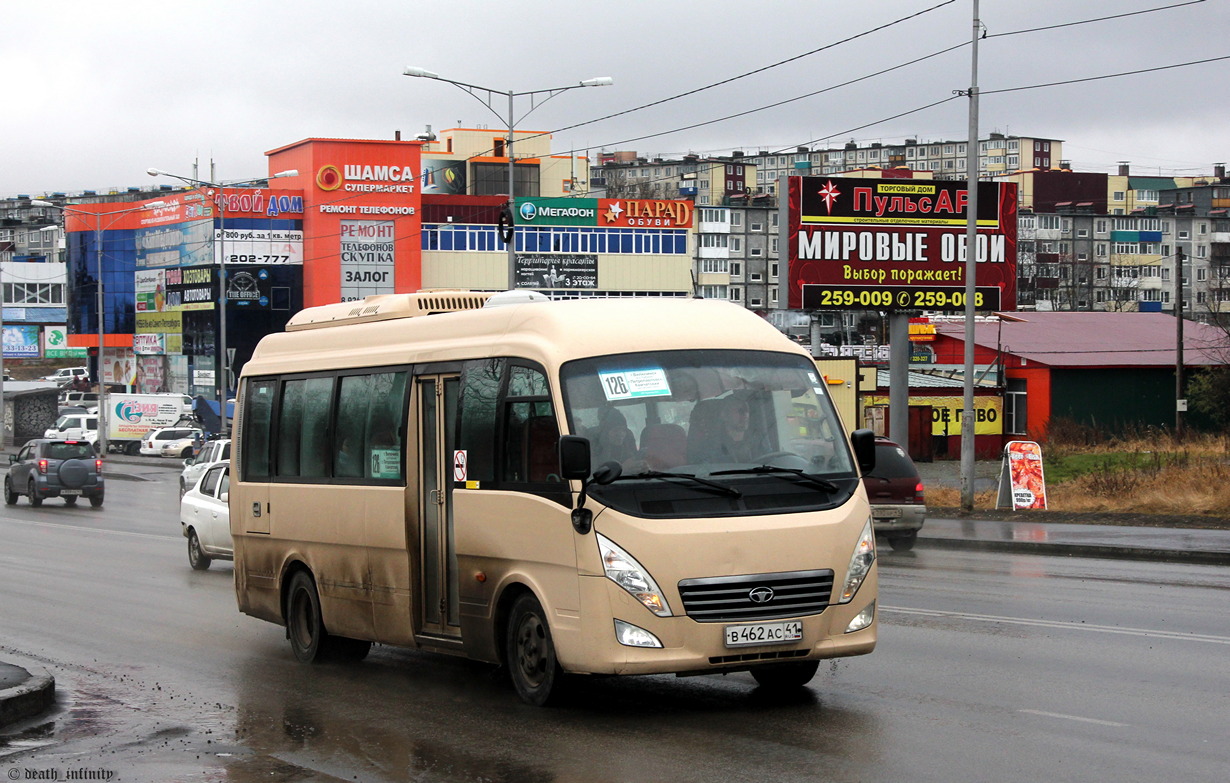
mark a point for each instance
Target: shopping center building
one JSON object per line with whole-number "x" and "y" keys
{"x": 188, "y": 272}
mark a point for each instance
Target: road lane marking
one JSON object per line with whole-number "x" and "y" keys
{"x": 1072, "y": 717}
{"x": 1062, "y": 624}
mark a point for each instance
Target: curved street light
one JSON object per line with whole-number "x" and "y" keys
{"x": 99, "y": 227}
{"x": 222, "y": 380}
{"x": 510, "y": 122}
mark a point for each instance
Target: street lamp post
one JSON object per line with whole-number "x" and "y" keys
{"x": 101, "y": 305}
{"x": 223, "y": 369}
{"x": 511, "y": 122}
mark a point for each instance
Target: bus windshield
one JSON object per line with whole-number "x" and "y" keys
{"x": 723, "y": 415}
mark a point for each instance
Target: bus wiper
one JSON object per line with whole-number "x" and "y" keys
{"x": 815, "y": 481}
{"x": 721, "y": 489}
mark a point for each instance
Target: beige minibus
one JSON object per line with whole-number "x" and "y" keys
{"x": 564, "y": 488}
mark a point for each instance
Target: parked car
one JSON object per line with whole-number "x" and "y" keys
{"x": 82, "y": 398}
{"x": 184, "y": 447}
{"x": 49, "y": 468}
{"x": 66, "y": 374}
{"x": 895, "y": 490}
{"x": 74, "y": 426}
{"x": 154, "y": 440}
{"x": 213, "y": 452}
{"x": 205, "y": 518}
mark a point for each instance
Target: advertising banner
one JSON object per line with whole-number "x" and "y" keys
{"x": 190, "y": 288}
{"x": 169, "y": 322}
{"x": 247, "y": 287}
{"x": 186, "y": 243}
{"x": 868, "y": 244}
{"x": 150, "y": 288}
{"x": 556, "y": 270}
{"x": 1021, "y": 482}
{"x": 605, "y": 212}
{"x": 444, "y": 175}
{"x": 149, "y": 344}
{"x": 946, "y": 413}
{"x": 55, "y": 344}
{"x": 21, "y": 341}
{"x": 258, "y": 246}
{"x": 644, "y": 213}
{"x": 368, "y": 259}
{"x": 557, "y": 212}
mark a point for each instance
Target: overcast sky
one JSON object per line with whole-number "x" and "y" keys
{"x": 100, "y": 91}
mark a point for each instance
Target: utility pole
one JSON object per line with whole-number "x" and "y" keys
{"x": 1180, "y": 404}
{"x": 971, "y": 268}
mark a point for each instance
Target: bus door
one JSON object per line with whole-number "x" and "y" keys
{"x": 436, "y": 411}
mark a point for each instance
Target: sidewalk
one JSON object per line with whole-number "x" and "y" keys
{"x": 1130, "y": 542}
{"x": 24, "y": 694}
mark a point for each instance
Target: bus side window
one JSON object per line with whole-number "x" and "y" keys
{"x": 480, "y": 391}
{"x": 542, "y": 448}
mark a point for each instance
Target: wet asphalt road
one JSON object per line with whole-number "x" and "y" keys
{"x": 990, "y": 667}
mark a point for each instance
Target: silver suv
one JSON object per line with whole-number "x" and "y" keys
{"x": 45, "y": 468}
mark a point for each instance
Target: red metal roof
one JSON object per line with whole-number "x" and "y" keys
{"x": 1063, "y": 339}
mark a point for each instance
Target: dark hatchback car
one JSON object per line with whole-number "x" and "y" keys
{"x": 895, "y": 490}
{"x": 47, "y": 468}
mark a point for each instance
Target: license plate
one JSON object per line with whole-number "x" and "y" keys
{"x": 70, "y": 492}
{"x": 885, "y": 512}
{"x": 764, "y": 633}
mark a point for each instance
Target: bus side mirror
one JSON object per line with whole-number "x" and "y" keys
{"x": 574, "y": 459}
{"x": 864, "y": 443}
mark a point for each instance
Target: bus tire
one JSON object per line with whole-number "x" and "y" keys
{"x": 530, "y": 653}
{"x": 785, "y": 676}
{"x": 304, "y": 626}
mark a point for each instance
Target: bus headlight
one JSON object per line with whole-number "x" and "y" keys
{"x": 863, "y": 618}
{"x": 860, "y": 563}
{"x": 622, "y": 569}
{"x": 631, "y": 636}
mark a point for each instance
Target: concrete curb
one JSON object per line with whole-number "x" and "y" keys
{"x": 32, "y": 696}
{"x": 1081, "y": 550}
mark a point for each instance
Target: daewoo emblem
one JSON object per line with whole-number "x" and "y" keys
{"x": 760, "y": 595}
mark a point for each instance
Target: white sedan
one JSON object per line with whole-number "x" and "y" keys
{"x": 213, "y": 452}
{"x": 205, "y": 518}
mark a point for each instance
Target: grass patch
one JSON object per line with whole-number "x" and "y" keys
{"x": 1152, "y": 473}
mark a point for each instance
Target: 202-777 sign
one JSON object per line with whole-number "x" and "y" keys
{"x": 897, "y": 244}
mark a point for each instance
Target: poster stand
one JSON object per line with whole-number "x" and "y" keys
{"x": 1022, "y": 484}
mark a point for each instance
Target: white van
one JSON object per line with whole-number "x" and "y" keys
{"x": 74, "y": 426}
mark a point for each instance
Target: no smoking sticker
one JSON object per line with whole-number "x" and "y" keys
{"x": 459, "y": 465}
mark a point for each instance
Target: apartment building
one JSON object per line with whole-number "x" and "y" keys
{"x": 997, "y": 154}
{"x": 704, "y": 180}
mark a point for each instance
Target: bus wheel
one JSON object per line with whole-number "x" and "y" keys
{"x": 304, "y": 625}
{"x": 782, "y": 676}
{"x": 531, "y": 654}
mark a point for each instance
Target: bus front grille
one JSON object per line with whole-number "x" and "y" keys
{"x": 755, "y": 597}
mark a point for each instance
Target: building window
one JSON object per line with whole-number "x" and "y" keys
{"x": 736, "y": 218}
{"x": 773, "y": 272}
{"x": 736, "y": 293}
{"x": 736, "y": 244}
{"x": 736, "y": 269}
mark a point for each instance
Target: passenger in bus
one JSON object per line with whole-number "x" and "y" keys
{"x": 612, "y": 441}
{"x": 348, "y": 463}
